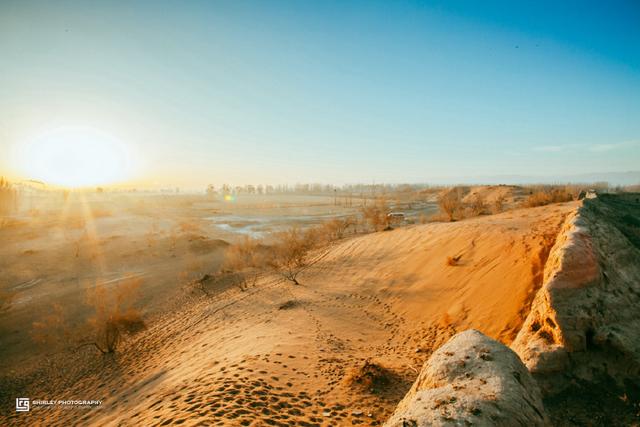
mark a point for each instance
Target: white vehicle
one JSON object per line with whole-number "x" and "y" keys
{"x": 395, "y": 217}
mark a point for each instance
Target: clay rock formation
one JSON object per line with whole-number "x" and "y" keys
{"x": 471, "y": 380}
{"x": 584, "y": 321}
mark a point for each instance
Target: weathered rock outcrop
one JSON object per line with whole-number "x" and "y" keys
{"x": 584, "y": 322}
{"x": 472, "y": 379}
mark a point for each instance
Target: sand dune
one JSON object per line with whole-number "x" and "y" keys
{"x": 280, "y": 354}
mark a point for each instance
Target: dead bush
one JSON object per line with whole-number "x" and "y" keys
{"x": 498, "y": 204}
{"x": 337, "y": 228}
{"x": 245, "y": 260}
{"x": 450, "y": 202}
{"x": 115, "y": 314}
{"x": 371, "y": 376}
{"x": 478, "y": 206}
{"x": 289, "y": 255}
{"x": 8, "y": 197}
{"x": 242, "y": 255}
{"x": 453, "y": 260}
{"x": 376, "y": 215}
{"x": 151, "y": 236}
{"x": 287, "y": 305}
{"x": 200, "y": 283}
{"x": 547, "y": 196}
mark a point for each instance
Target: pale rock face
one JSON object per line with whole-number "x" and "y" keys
{"x": 584, "y": 321}
{"x": 472, "y": 380}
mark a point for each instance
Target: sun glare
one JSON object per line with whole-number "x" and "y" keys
{"x": 76, "y": 157}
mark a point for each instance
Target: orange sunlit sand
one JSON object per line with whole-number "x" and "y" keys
{"x": 398, "y": 214}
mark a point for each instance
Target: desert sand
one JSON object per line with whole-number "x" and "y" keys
{"x": 283, "y": 354}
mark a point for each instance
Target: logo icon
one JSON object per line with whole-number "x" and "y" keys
{"x": 22, "y": 404}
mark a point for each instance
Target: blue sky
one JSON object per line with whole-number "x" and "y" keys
{"x": 292, "y": 91}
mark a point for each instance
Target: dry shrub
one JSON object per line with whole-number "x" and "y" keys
{"x": 453, "y": 260}
{"x": 115, "y": 313}
{"x": 151, "y": 236}
{"x": 450, "y": 202}
{"x": 573, "y": 190}
{"x": 370, "y": 376}
{"x": 445, "y": 320}
{"x": 287, "y": 305}
{"x": 498, "y": 204}
{"x": 244, "y": 260}
{"x": 478, "y": 206}
{"x": 336, "y": 228}
{"x": 547, "y": 196}
{"x": 243, "y": 255}
{"x": 77, "y": 239}
{"x": 289, "y": 255}
{"x": 8, "y": 197}
{"x": 376, "y": 215}
{"x": 200, "y": 284}
{"x": 173, "y": 238}
{"x": 194, "y": 275}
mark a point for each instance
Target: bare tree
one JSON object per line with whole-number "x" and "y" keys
{"x": 290, "y": 253}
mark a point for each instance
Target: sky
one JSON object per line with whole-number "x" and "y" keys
{"x": 276, "y": 92}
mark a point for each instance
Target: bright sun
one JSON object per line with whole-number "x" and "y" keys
{"x": 76, "y": 157}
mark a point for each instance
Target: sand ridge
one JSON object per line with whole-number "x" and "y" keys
{"x": 279, "y": 354}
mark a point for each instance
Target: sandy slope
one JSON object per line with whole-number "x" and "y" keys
{"x": 242, "y": 358}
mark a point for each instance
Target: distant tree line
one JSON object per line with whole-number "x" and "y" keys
{"x": 315, "y": 189}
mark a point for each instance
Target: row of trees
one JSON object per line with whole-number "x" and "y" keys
{"x": 316, "y": 188}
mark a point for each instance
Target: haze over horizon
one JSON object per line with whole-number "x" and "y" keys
{"x": 281, "y": 92}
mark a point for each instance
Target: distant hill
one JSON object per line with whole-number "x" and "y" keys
{"x": 613, "y": 178}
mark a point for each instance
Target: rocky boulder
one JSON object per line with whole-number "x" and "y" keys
{"x": 471, "y": 380}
